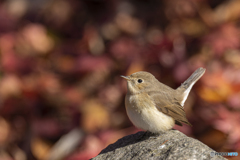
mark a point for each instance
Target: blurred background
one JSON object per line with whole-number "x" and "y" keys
{"x": 61, "y": 94}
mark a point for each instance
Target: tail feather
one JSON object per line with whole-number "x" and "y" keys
{"x": 186, "y": 86}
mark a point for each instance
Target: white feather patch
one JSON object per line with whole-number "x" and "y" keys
{"x": 185, "y": 94}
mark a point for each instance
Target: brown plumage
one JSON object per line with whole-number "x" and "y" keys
{"x": 149, "y": 101}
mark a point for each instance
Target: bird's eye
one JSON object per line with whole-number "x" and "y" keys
{"x": 140, "y": 81}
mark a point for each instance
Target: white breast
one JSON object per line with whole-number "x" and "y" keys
{"x": 149, "y": 118}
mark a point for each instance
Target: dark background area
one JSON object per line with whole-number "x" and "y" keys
{"x": 61, "y": 61}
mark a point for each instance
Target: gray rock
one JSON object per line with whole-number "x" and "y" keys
{"x": 169, "y": 145}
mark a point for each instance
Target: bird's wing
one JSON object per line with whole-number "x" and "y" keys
{"x": 166, "y": 103}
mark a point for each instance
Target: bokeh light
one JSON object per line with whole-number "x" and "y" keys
{"x": 61, "y": 61}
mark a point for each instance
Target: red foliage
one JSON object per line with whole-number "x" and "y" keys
{"x": 61, "y": 63}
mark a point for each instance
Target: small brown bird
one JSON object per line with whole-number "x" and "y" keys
{"x": 155, "y": 107}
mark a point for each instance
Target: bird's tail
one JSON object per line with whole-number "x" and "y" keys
{"x": 186, "y": 86}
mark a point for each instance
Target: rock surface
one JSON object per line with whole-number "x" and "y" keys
{"x": 170, "y": 145}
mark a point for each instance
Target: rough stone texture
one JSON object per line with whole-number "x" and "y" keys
{"x": 170, "y": 145}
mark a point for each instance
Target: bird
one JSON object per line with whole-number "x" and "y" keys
{"x": 154, "y": 106}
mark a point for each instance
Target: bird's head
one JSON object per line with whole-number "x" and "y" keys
{"x": 139, "y": 82}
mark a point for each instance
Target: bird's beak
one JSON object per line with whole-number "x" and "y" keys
{"x": 126, "y": 77}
